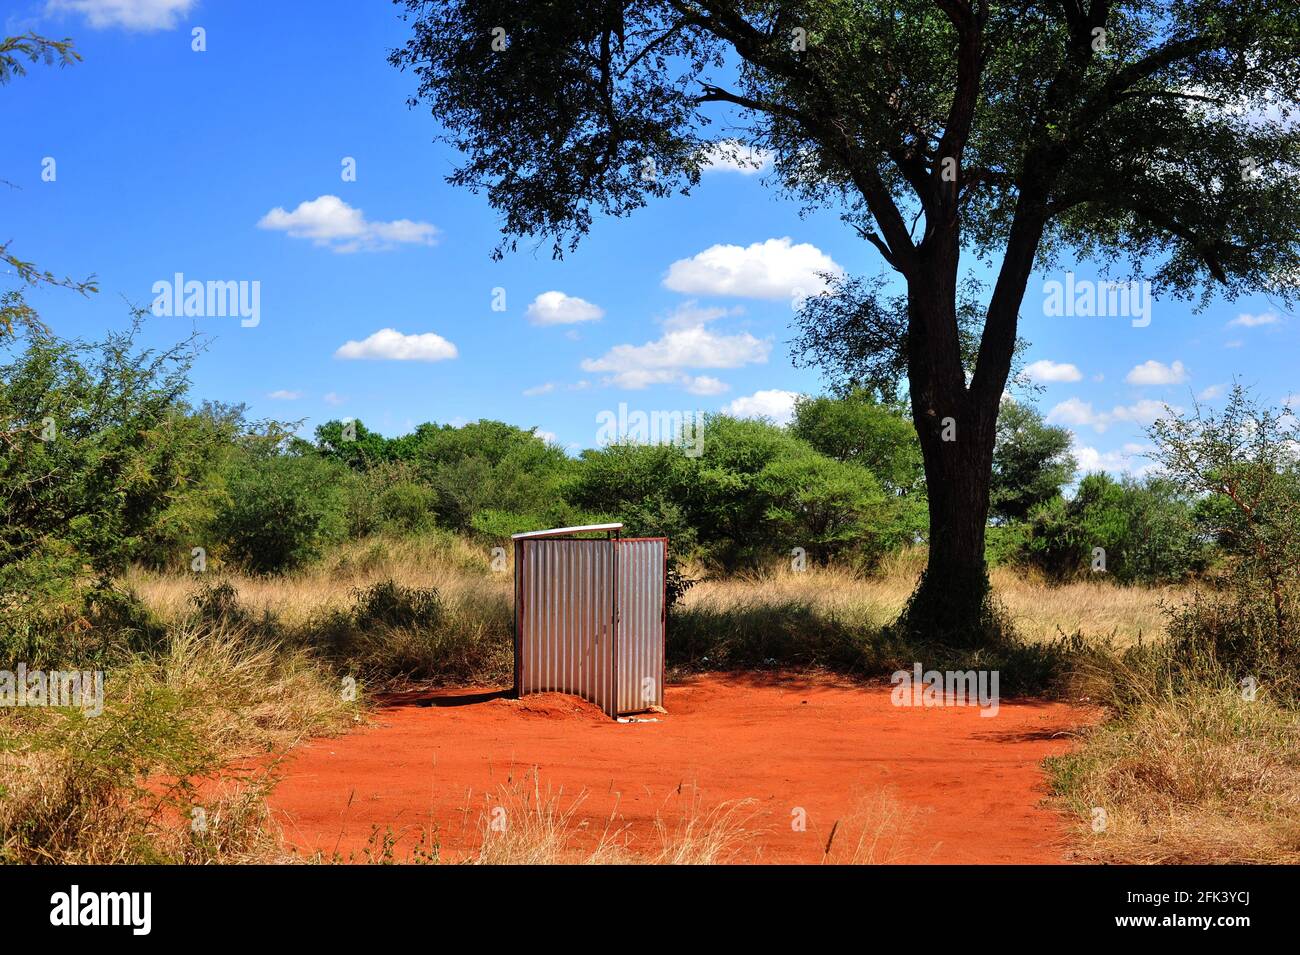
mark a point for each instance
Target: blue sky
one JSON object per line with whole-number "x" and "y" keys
{"x": 376, "y": 295}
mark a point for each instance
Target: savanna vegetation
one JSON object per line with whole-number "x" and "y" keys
{"x": 245, "y": 584}
{"x": 244, "y": 587}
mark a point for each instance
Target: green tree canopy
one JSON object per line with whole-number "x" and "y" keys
{"x": 1154, "y": 135}
{"x": 1031, "y": 462}
{"x": 857, "y": 428}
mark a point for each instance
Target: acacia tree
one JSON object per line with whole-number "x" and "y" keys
{"x": 1154, "y": 134}
{"x": 14, "y": 310}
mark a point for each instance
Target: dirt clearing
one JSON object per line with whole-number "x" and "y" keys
{"x": 960, "y": 788}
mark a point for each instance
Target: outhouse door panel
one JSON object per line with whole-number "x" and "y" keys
{"x": 566, "y": 626}
{"x": 642, "y": 623}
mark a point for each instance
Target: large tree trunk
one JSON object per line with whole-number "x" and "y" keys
{"x": 956, "y": 426}
{"x": 951, "y": 603}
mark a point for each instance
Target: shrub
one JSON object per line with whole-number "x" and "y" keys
{"x": 97, "y": 445}
{"x": 282, "y": 510}
{"x": 1146, "y": 528}
{"x": 1245, "y": 463}
{"x": 407, "y": 506}
{"x": 390, "y": 604}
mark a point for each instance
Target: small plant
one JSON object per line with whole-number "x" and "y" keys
{"x": 218, "y": 604}
{"x": 390, "y": 604}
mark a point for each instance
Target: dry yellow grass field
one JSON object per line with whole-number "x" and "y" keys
{"x": 1200, "y": 777}
{"x": 460, "y": 572}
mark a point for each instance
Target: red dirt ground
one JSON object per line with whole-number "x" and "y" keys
{"x": 970, "y": 786}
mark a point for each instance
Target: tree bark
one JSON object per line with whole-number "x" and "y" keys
{"x": 956, "y": 426}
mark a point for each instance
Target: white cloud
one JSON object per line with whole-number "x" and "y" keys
{"x": 283, "y": 395}
{"x": 656, "y": 362}
{"x": 1210, "y": 393}
{"x": 1143, "y": 412}
{"x": 731, "y": 155}
{"x": 772, "y": 403}
{"x": 543, "y": 389}
{"x": 1154, "y": 373}
{"x": 1128, "y": 459}
{"x": 706, "y": 385}
{"x": 1072, "y": 411}
{"x": 329, "y": 221}
{"x": 141, "y": 15}
{"x": 556, "y": 308}
{"x": 548, "y": 437}
{"x": 1044, "y": 370}
{"x": 1246, "y": 320}
{"x": 390, "y": 344}
{"x": 773, "y": 269}
{"x": 690, "y": 314}
{"x": 333, "y": 398}
{"x": 1077, "y": 413}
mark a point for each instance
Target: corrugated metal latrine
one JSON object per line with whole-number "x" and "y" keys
{"x": 590, "y": 617}
{"x": 641, "y": 623}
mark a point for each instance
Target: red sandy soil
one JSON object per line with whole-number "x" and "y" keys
{"x": 969, "y": 788}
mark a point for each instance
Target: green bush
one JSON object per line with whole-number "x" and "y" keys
{"x": 282, "y": 510}
{"x": 1004, "y": 544}
{"x": 1146, "y": 528}
{"x": 407, "y": 506}
{"x": 858, "y": 429}
{"x": 389, "y": 604}
{"x": 98, "y": 445}
{"x": 1243, "y": 466}
{"x": 755, "y": 491}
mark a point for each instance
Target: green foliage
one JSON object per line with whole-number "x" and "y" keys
{"x": 407, "y": 506}
{"x": 1243, "y": 464}
{"x": 647, "y": 487}
{"x": 1146, "y": 529}
{"x": 390, "y": 604}
{"x": 1004, "y": 544}
{"x": 461, "y": 472}
{"x": 755, "y": 491}
{"x": 828, "y": 507}
{"x": 97, "y": 445}
{"x": 282, "y": 510}
{"x": 588, "y": 102}
{"x": 1031, "y": 462}
{"x": 858, "y": 429}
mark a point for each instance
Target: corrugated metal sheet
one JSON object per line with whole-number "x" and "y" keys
{"x": 589, "y": 620}
{"x": 565, "y": 619}
{"x": 641, "y": 623}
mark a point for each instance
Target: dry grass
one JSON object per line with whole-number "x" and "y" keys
{"x": 1040, "y": 611}
{"x": 879, "y": 831}
{"x": 122, "y": 786}
{"x": 457, "y": 570}
{"x": 694, "y": 835}
{"x": 1204, "y": 776}
{"x": 460, "y": 573}
{"x": 529, "y": 825}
